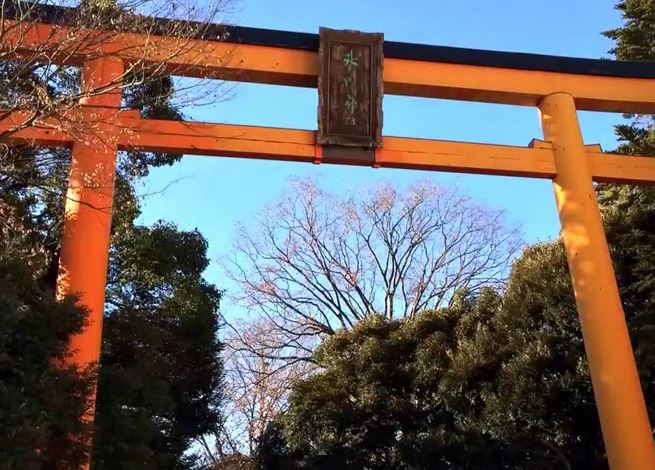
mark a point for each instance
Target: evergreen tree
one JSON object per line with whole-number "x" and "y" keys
{"x": 160, "y": 374}
{"x": 517, "y": 374}
{"x": 377, "y": 402}
{"x": 42, "y": 402}
{"x": 629, "y": 211}
{"x": 522, "y": 376}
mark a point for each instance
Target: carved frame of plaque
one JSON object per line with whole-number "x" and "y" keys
{"x": 350, "y": 88}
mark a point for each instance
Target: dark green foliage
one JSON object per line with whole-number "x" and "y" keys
{"x": 161, "y": 372}
{"x": 508, "y": 367}
{"x": 377, "y": 404}
{"x": 42, "y": 403}
{"x": 160, "y": 377}
{"x": 635, "y": 39}
{"x": 273, "y": 452}
{"x": 629, "y": 212}
{"x": 152, "y": 99}
{"x": 161, "y": 369}
{"x": 527, "y": 371}
{"x": 535, "y": 382}
{"x": 495, "y": 381}
{"x": 233, "y": 462}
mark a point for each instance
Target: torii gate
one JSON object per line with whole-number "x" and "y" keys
{"x": 558, "y": 86}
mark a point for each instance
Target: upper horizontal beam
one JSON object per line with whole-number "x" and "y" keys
{"x": 269, "y": 143}
{"x": 459, "y": 74}
{"x": 52, "y": 14}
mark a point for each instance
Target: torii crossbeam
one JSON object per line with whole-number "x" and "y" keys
{"x": 557, "y": 86}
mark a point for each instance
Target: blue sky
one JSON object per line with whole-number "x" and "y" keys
{"x": 213, "y": 194}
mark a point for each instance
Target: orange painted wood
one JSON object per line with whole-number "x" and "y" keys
{"x": 225, "y": 140}
{"x": 84, "y": 254}
{"x": 299, "y": 145}
{"x": 282, "y": 66}
{"x": 614, "y": 168}
{"x": 47, "y": 133}
{"x": 88, "y": 209}
{"x": 180, "y": 56}
{"x": 624, "y": 421}
{"x": 270, "y": 143}
{"x": 517, "y": 87}
{"x": 463, "y": 157}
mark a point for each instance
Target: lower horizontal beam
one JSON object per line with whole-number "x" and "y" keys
{"x": 616, "y": 168}
{"x": 228, "y": 140}
{"x": 220, "y": 140}
{"x": 299, "y": 145}
{"x": 462, "y": 157}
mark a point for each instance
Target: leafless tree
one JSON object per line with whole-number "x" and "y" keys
{"x": 37, "y": 62}
{"x": 18, "y": 240}
{"x": 256, "y": 386}
{"x": 40, "y": 67}
{"x": 316, "y": 262}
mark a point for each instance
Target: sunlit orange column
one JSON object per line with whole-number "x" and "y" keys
{"x": 87, "y": 223}
{"x": 619, "y": 398}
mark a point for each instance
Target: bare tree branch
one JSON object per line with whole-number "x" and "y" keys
{"x": 36, "y": 90}
{"x": 258, "y": 381}
{"x": 315, "y": 262}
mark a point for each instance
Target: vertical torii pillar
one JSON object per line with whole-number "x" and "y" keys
{"x": 619, "y": 398}
{"x": 88, "y": 208}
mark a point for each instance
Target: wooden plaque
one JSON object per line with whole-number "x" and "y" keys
{"x": 350, "y": 88}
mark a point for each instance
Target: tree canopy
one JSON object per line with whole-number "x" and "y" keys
{"x": 497, "y": 380}
{"x": 472, "y": 376}
{"x": 43, "y": 403}
{"x": 507, "y": 384}
{"x": 160, "y": 374}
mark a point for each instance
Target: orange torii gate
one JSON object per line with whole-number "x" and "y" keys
{"x": 558, "y": 86}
